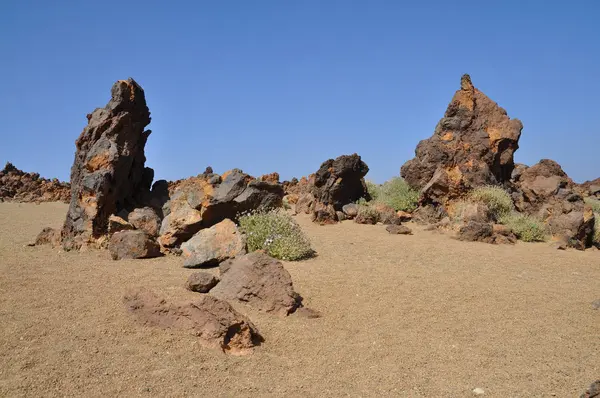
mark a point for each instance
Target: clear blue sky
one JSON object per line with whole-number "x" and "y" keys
{"x": 281, "y": 85}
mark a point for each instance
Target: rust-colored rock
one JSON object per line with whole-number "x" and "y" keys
{"x": 260, "y": 281}
{"x": 19, "y": 186}
{"x": 132, "y": 244}
{"x": 273, "y": 178}
{"x": 545, "y": 190}
{"x": 203, "y": 201}
{"x": 214, "y": 321}
{"x": 201, "y": 282}
{"x": 108, "y": 173}
{"x": 145, "y": 219}
{"x": 472, "y": 145}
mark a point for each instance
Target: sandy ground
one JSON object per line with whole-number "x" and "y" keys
{"x": 403, "y": 316}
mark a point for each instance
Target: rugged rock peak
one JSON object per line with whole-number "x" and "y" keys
{"x": 472, "y": 145}
{"x": 108, "y": 173}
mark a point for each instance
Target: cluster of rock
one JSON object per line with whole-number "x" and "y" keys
{"x": 473, "y": 146}
{"x": 19, "y": 186}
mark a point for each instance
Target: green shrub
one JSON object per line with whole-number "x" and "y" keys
{"x": 526, "y": 228}
{"x": 593, "y": 203}
{"x": 495, "y": 198}
{"x": 395, "y": 193}
{"x": 277, "y": 233}
{"x": 372, "y": 189}
{"x": 367, "y": 213}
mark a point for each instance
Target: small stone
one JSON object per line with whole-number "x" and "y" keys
{"x": 201, "y": 282}
{"x": 596, "y": 304}
{"x": 478, "y": 391}
{"x": 340, "y": 215}
{"x": 350, "y": 210}
{"x": 398, "y": 230}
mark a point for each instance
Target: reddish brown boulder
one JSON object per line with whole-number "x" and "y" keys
{"x": 214, "y": 321}
{"x": 260, "y": 281}
{"x": 472, "y": 145}
{"x": 108, "y": 173}
{"x": 145, "y": 219}
{"x": 203, "y": 201}
{"x": 201, "y": 282}
{"x": 132, "y": 244}
{"x": 545, "y": 190}
{"x": 273, "y": 178}
{"x": 19, "y": 186}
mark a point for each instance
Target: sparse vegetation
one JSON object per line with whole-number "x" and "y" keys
{"x": 497, "y": 200}
{"x": 368, "y": 212}
{"x": 395, "y": 193}
{"x": 277, "y": 233}
{"x": 527, "y": 228}
{"x": 594, "y": 204}
{"x": 596, "y": 237}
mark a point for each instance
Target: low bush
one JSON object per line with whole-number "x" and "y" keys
{"x": 526, "y": 228}
{"x": 593, "y": 203}
{"x": 395, "y": 193}
{"x": 367, "y": 214}
{"x": 277, "y": 233}
{"x": 596, "y": 237}
{"x": 495, "y": 198}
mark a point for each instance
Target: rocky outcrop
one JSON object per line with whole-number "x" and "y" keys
{"x": 213, "y": 245}
{"x": 338, "y": 182}
{"x": 19, "y": 186}
{"x": 472, "y": 145}
{"x": 132, "y": 244}
{"x": 213, "y": 321}
{"x": 260, "y": 281}
{"x": 589, "y": 188}
{"x": 203, "y": 201}
{"x": 145, "y": 219}
{"x": 545, "y": 191}
{"x": 108, "y": 173}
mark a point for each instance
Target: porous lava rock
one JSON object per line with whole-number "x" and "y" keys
{"x": 472, "y": 145}
{"x": 108, "y": 173}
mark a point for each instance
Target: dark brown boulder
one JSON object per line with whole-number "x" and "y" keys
{"x": 201, "y": 282}
{"x": 260, "y": 281}
{"x": 545, "y": 191}
{"x": 476, "y": 232}
{"x": 132, "y": 244}
{"x": 472, "y": 145}
{"x": 19, "y": 186}
{"x": 338, "y": 182}
{"x": 203, "y": 201}
{"x": 108, "y": 172}
{"x": 213, "y": 321}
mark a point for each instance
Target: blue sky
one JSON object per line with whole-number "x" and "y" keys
{"x": 284, "y": 85}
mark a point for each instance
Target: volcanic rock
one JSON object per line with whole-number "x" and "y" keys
{"x": 132, "y": 244}
{"x": 545, "y": 191}
{"x": 19, "y": 186}
{"x": 214, "y": 321}
{"x": 145, "y": 219}
{"x": 201, "y": 282}
{"x": 472, "y": 145}
{"x": 203, "y": 201}
{"x": 260, "y": 281}
{"x": 213, "y": 245}
{"x": 108, "y": 172}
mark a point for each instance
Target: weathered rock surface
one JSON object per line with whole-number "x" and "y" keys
{"x": 48, "y": 236}
{"x": 475, "y": 231}
{"x": 203, "y": 201}
{"x": 260, "y": 281}
{"x": 145, "y": 219}
{"x": 132, "y": 244}
{"x": 593, "y": 391}
{"x": 108, "y": 172}
{"x": 545, "y": 190}
{"x": 305, "y": 203}
{"x": 116, "y": 224}
{"x": 472, "y": 145}
{"x": 398, "y": 229}
{"x": 19, "y": 186}
{"x": 214, "y": 321}
{"x": 350, "y": 210}
{"x": 338, "y": 182}
{"x": 201, "y": 282}
{"x": 213, "y": 245}
{"x": 589, "y": 188}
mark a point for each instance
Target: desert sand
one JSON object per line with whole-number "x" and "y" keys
{"x": 405, "y": 316}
